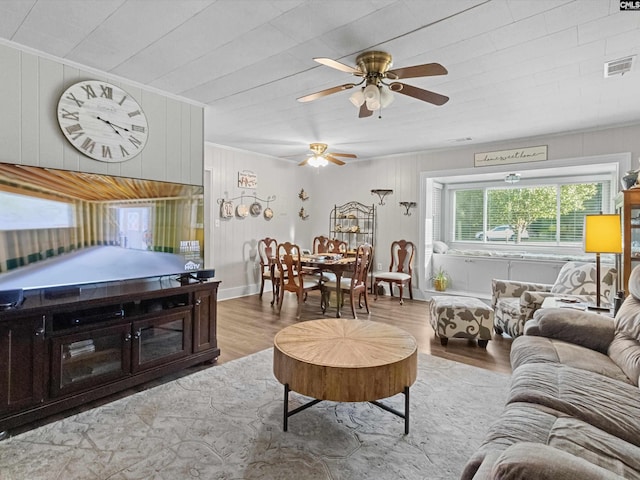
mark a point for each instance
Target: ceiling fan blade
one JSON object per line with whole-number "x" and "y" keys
{"x": 426, "y": 70}
{"x": 419, "y": 93}
{"x": 348, "y": 155}
{"x": 364, "y": 111}
{"x": 324, "y": 93}
{"x": 304, "y": 162}
{"x": 334, "y": 160}
{"x": 337, "y": 65}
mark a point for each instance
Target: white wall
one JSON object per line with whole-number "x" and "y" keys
{"x": 30, "y": 87}
{"x": 233, "y": 241}
{"x": 337, "y": 185}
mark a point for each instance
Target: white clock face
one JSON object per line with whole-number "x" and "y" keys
{"x": 102, "y": 121}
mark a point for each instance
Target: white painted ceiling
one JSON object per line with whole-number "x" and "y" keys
{"x": 517, "y": 68}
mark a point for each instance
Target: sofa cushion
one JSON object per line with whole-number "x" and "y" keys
{"x": 605, "y": 403}
{"x": 530, "y": 349}
{"x": 524, "y": 422}
{"x": 625, "y": 352}
{"x": 628, "y": 317}
{"x": 582, "y": 328}
{"x": 529, "y": 461}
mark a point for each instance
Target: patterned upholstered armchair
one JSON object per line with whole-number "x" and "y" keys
{"x": 515, "y": 302}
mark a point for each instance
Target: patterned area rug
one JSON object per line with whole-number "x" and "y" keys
{"x": 225, "y": 422}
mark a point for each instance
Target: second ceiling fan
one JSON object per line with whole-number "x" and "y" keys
{"x": 379, "y": 81}
{"x": 319, "y": 157}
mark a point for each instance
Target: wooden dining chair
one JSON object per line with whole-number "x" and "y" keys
{"x": 356, "y": 285}
{"x": 400, "y": 269}
{"x": 321, "y": 244}
{"x": 336, "y": 246}
{"x": 292, "y": 276}
{"x": 268, "y": 271}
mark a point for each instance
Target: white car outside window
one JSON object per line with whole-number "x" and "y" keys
{"x": 501, "y": 232}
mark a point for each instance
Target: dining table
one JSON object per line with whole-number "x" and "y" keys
{"x": 335, "y": 263}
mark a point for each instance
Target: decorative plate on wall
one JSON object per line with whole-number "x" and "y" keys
{"x": 242, "y": 210}
{"x": 255, "y": 209}
{"x": 268, "y": 213}
{"x": 226, "y": 209}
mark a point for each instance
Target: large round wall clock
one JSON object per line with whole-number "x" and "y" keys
{"x": 102, "y": 121}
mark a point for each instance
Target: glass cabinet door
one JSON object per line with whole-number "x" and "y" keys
{"x": 634, "y": 221}
{"x": 159, "y": 339}
{"x": 82, "y": 360}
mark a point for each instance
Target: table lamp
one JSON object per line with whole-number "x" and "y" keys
{"x": 602, "y": 234}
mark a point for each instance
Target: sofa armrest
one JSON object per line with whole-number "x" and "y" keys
{"x": 526, "y": 460}
{"x": 586, "y": 329}
{"x": 513, "y": 288}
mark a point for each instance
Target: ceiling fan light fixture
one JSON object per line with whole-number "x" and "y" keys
{"x": 386, "y": 97}
{"x": 372, "y": 97}
{"x": 357, "y": 98}
{"x": 322, "y": 162}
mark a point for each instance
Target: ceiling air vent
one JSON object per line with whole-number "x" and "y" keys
{"x": 618, "y": 67}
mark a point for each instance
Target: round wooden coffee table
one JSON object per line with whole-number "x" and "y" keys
{"x": 345, "y": 360}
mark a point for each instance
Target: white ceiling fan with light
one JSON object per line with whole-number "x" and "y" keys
{"x": 319, "y": 157}
{"x": 379, "y": 82}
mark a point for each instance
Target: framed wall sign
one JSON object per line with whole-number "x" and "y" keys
{"x": 247, "y": 179}
{"x": 505, "y": 157}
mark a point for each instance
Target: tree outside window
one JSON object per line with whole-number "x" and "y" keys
{"x": 538, "y": 214}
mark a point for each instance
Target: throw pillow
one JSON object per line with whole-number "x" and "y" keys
{"x": 440, "y": 247}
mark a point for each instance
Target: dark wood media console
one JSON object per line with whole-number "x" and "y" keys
{"x": 61, "y": 352}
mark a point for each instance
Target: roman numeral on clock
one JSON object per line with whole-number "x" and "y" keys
{"x": 89, "y": 91}
{"x": 70, "y": 115}
{"x": 88, "y": 145}
{"x": 75, "y": 131}
{"x": 73, "y": 98}
{"x": 106, "y": 92}
{"x": 135, "y": 141}
{"x": 138, "y": 128}
{"x": 106, "y": 151}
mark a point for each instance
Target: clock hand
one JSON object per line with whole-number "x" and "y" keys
{"x": 113, "y": 127}
{"x": 118, "y": 126}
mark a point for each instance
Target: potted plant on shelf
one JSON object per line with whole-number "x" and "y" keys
{"x": 440, "y": 280}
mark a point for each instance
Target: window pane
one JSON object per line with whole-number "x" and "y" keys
{"x": 546, "y": 215}
{"x": 468, "y": 213}
{"x": 576, "y": 201}
{"x": 512, "y": 212}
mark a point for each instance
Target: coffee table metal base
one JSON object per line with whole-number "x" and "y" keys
{"x": 287, "y": 413}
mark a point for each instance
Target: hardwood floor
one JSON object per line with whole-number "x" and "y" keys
{"x": 248, "y": 324}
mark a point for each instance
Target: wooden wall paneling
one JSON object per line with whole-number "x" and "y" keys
{"x": 154, "y": 157}
{"x": 70, "y": 156}
{"x": 173, "y": 133}
{"x": 29, "y": 111}
{"x": 10, "y": 124}
{"x": 30, "y": 87}
{"x": 196, "y": 143}
{"x": 185, "y": 135}
{"x": 50, "y": 144}
{"x": 134, "y": 167}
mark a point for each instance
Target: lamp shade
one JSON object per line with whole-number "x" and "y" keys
{"x": 602, "y": 233}
{"x": 372, "y": 97}
{"x": 357, "y": 98}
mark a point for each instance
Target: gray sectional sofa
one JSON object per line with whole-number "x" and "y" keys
{"x": 573, "y": 409}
